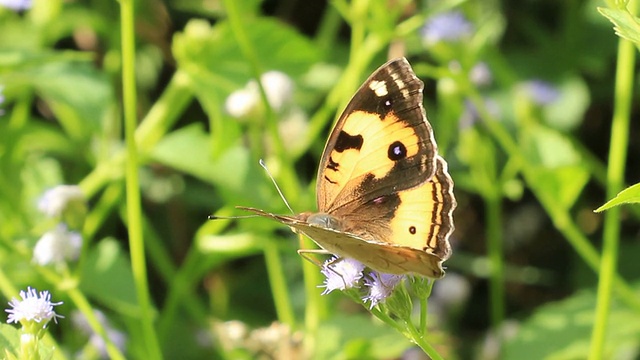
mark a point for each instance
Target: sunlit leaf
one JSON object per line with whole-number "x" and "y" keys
{"x": 562, "y": 330}
{"x": 626, "y": 25}
{"x": 629, "y": 195}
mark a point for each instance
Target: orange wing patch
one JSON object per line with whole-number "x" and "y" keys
{"x": 424, "y": 219}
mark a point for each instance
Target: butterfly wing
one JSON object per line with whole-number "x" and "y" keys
{"x": 419, "y": 231}
{"x": 381, "y": 257}
{"x": 424, "y": 218}
{"x": 382, "y": 136}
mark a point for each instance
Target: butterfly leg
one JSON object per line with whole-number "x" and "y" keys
{"x": 305, "y": 253}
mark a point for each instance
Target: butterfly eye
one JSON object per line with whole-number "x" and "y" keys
{"x": 412, "y": 230}
{"x": 397, "y": 151}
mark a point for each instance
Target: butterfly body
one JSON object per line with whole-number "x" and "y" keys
{"x": 384, "y": 195}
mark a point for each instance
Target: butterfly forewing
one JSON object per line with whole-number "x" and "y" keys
{"x": 383, "y": 134}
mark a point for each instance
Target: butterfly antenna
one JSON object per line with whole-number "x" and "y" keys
{"x": 216, "y": 217}
{"x": 264, "y": 166}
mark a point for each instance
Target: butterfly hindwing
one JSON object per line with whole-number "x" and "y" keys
{"x": 424, "y": 220}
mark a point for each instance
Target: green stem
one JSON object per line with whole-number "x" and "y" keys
{"x": 278, "y": 283}
{"x": 328, "y": 29}
{"x": 423, "y": 315}
{"x": 315, "y": 307}
{"x": 560, "y": 216}
{"x": 136, "y": 240}
{"x": 493, "y": 209}
{"x": 419, "y": 339}
{"x": 85, "y": 308}
{"x": 358, "y": 17}
{"x": 164, "y": 113}
{"x": 615, "y": 180}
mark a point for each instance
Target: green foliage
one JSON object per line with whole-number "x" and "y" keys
{"x": 629, "y": 195}
{"x": 627, "y": 25}
{"x": 524, "y": 147}
{"x": 561, "y": 331}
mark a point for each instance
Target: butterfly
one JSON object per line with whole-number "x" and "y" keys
{"x": 384, "y": 195}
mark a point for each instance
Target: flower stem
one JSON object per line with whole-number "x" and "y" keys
{"x": 615, "y": 180}
{"x": 134, "y": 217}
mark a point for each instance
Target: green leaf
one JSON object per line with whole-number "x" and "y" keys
{"x": 237, "y": 178}
{"x": 356, "y": 337}
{"x": 629, "y": 195}
{"x": 558, "y": 167}
{"x": 107, "y": 277}
{"x": 9, "y": 340}
{"x": 562, "y": 330}
{"x": 230, "y": 246}
{"x": 626, "y": 25}
{"x": 78, "y": 94}
{"x": 187, "y": 150}
{"x": 216, "y": 65}
{"x": 562, "y": 183}
{"x": 212, "y": 53}
{"x": 10, "y": 344}
{"x": 568, "y": 111}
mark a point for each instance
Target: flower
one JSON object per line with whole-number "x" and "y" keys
{"x": 480, "y": 74}
{"x": 341, "y": 274}
{"x": 32, "y": 308}
{"x": 241, "y": 102}
{"x": 381, "y": 286}
{"x": 279, "y": 88}
{"x": 118, "y": 338}
{"x": 470, "y": 114}
{"x": 56, "y": 200}
{"x": 449, "y": 26}
{"x": 541, "y": 92}
{"x": 451, "y": 292}
{"x": 292, "y": 128}
{"x": 57, "y": 246}
{"x": 277, "y": 85}
{"x": 17, "y": 5}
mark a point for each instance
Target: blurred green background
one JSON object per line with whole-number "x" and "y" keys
{"x": 521, "y": 95}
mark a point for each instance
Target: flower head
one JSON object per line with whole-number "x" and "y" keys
{"x": 381, "y": 286}
{"x": 470, "y": 114}
{"x": 17, "y": 5}
{"x": 277, "y": 86}
{"x": 341, "y": 274}
{"x": 56, "y": 200}
{"x": 449, "y": 26}
{"x": 57, "y": 246}
{"x": 33, "y": 307}
{"x": 541, "y": 92}
{"x": 480, "y": 74}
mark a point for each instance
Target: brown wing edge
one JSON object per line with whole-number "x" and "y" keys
{"x": 449, "y": 204}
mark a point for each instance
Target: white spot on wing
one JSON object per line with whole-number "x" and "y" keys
{"x": 401, "y": 85}
{"x": 379, "y": 88}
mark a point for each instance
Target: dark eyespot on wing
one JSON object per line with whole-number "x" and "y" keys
{"x": 397, "y": 151}
{"x": 346, "y": 142}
